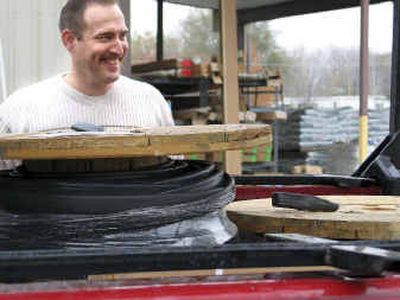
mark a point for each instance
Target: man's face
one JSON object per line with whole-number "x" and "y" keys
{"x": 99, "y": 52}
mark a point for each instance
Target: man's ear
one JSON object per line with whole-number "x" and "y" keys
{"x": 69, "y": 39}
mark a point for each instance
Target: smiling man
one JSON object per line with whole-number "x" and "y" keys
{"x": 96, "y": 38}
{"x": 93, "y": 91}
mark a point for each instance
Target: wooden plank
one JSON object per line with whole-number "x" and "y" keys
{"x": 307, "y": 169}
{"x": 230, "y": 77}
{"x": 165, "y": 64}
{"x": 358, "y": 217}
{"x": 133, "y": 142}
{"x": 209, "y": 272}
{"x": 270, "y": 116}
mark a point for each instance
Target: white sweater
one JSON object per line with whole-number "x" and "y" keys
{"x": 53, "y": 104}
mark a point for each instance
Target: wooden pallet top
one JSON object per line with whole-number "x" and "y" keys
{"x": 133, "y": 142}
{"x": 358, "y": 217}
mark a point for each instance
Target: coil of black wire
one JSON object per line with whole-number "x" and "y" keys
{"x": 95, "y": 204}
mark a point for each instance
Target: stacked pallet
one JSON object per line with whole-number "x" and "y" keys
{"x": 176, "y": 68}
{"x": 254, "y": 155}
{"x": 257, "y": 154}
{"x": 263, "y": 88}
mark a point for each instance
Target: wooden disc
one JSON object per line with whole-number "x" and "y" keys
{"x": 133, "y": 142}
{"x": 358, "y": 217}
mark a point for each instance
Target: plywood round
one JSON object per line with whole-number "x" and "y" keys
{"x": 358, "y": 217}
{"x": 133, "y": 142}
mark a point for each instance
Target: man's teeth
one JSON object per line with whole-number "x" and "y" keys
{"x": 111, "y": 62}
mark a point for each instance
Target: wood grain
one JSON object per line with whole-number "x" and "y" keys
{"x": 270, "y": 116}
{"x": 166, "y": 64}
{"x": 230, "y": 80}
{"x": 133, "y": 142}
{"x": 209, "y": 272}
{"x": 358, "y": 217}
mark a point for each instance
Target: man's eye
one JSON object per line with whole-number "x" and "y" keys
{"x": 123, "y": 35}
{"x": 104, "y": 37}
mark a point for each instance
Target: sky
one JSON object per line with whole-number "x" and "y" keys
{"x": 336, "y": 28}
{"x": 144, "y": 15}
{"x": 311, "y": 32}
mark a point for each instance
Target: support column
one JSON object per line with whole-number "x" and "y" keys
{"x": 160, "y": 30}
{"x": 126, "y": 9}
{"x": 364, "y": 72}
{"x": 229, "y": 56}
{"x": 395, "y": 77}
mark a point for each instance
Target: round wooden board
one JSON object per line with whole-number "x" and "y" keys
{"x": 358, "y": 217}
{"x": 133, "y": 142}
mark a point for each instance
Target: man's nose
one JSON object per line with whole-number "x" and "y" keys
{"x": 119, "y": 46}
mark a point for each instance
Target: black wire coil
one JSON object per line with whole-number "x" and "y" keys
{"x": 94, "y": 204}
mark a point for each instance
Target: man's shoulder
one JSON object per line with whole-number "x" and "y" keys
{"x": 136, "y": 86}
{"x": 37, "y": 89}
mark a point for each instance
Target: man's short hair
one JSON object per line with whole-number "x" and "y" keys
{"x": 71, "y": 16}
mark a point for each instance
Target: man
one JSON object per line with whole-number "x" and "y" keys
{"x": 93, "y": 91}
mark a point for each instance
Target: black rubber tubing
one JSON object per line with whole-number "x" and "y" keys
{"x": 111, "y": 202}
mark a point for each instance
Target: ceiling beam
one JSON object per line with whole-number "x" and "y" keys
{"x": 293, "y": 8}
